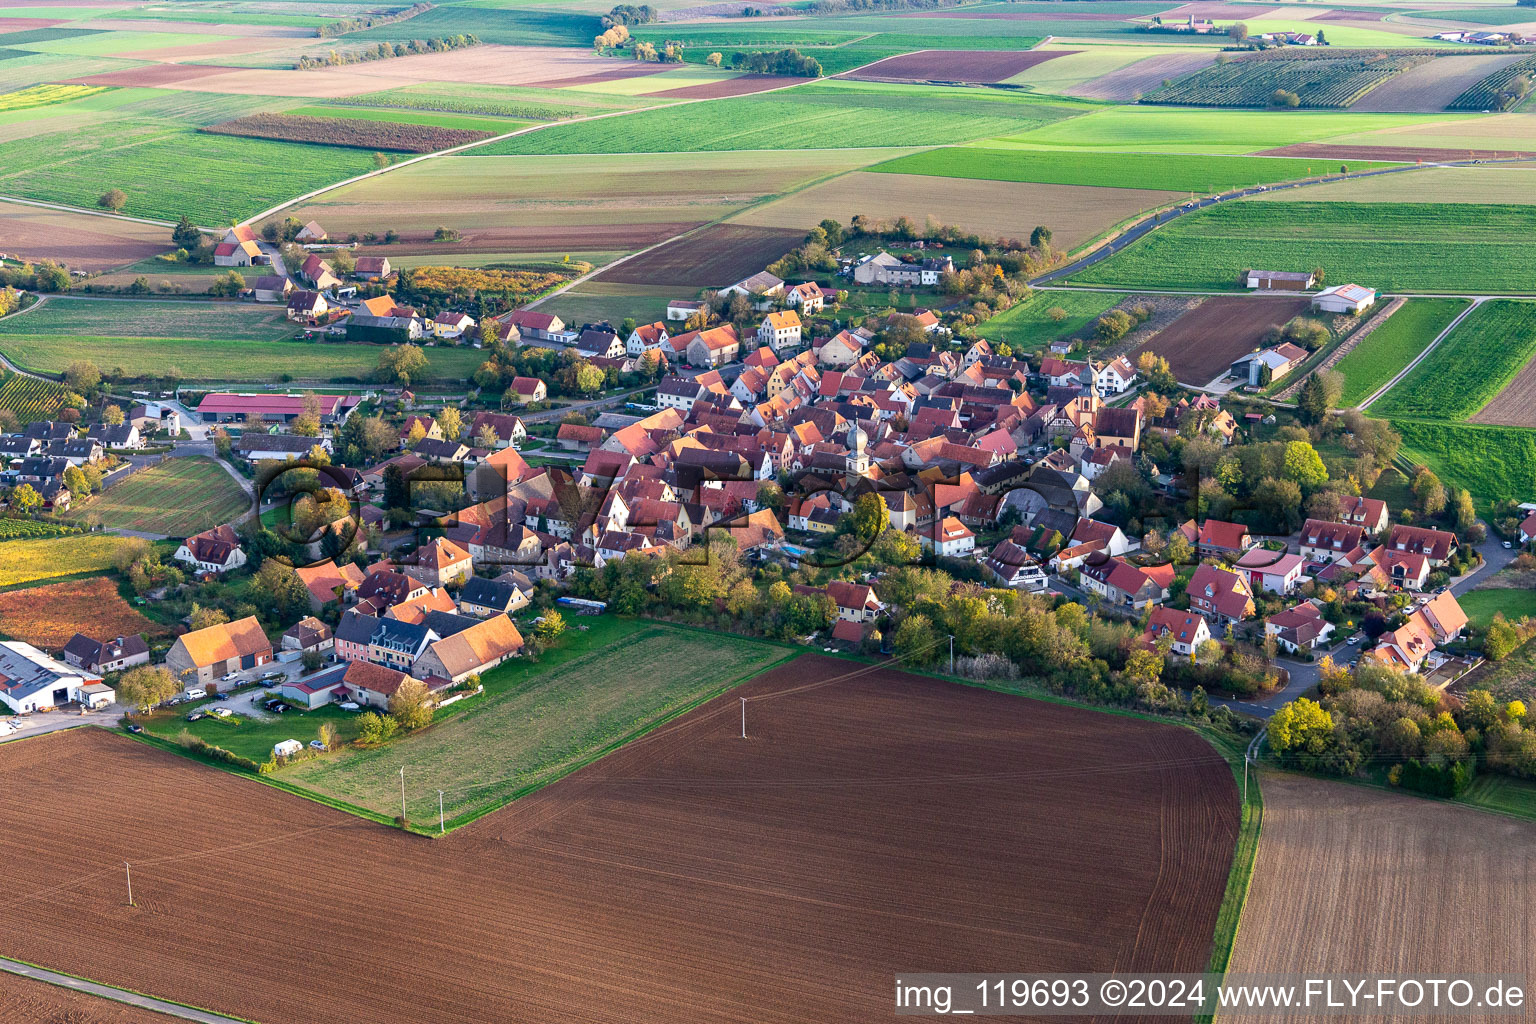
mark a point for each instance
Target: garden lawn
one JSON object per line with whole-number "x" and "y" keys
{"x": 1116, "y": 170}
{"x": 1154, "y": 129}
{"x": 1492, "y": 463}
{"x": 150, "y": 319}
{"x": 27, "y": 561}
{"x": 833, "y": 115}
{"x": 1393, "y": 345}
{"x": 249, "y": 736}
{"x": 1029, "y": 326}
{"x": 1482, "y": 605}
{"x": 1425, "y": 247}
{"x": 539, "y": 721}
{"x": 178, "y": 497}
{"x": 199, "y": 359}
{"x": 1468, "y": 368}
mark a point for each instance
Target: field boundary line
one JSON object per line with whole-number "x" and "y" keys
{"x": 1389, "y": 385}
{"x": 126, "y": 996}
{"x": 62, "y": 208}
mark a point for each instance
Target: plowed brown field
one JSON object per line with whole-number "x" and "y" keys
{"x": 83, "y": 241}
{"x": 870, "y": 825}
{"x": 1515, "y": 406}
{"x": 1202, "y": 343}
{"x": 1354, "y": 880}
{"x": 715, "y": 257}
{"x": 24, "y": 1001}
{"x": 974, "y": 66}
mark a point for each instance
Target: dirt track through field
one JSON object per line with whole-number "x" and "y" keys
{"x": 1203, "y": 343}
{"x": 1351, "y": 879}
{"x": 874, "y": 824}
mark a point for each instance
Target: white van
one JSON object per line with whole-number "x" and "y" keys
{"x": 287, "y": 748}
{"x": 196, "y": 693}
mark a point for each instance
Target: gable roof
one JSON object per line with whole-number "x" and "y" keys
{"x": 225, "y": 641}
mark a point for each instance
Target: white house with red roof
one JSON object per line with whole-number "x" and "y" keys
{"x": 948, "y": 538}
{"x": 1370, "y": 514}
{"x": 1218, "y": 538}
{"x": 1277, "y": 572}
{"x": 1220, "y": 593}
{"x": 1301, "y": 628}
{"x": 1187, "y": 629}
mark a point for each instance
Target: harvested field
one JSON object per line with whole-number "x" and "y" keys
{"x": 1075, "y": 213}
{"x": 1201, "y": 344}
{"x": 1329, "y": 892}
{"x": 1135, "y": 80}
{"x": 78, "y": 240}
{"x": 1403, "y": 154}
{"x": 24, "y": 24}
{"x": 1515, "y": 406}
{"x": 48, "y": 616}
{"x": 544, "y": 203}
{"x": 978, "y": 67}
{"x": 350, "y": 132}
{"x": 599, "y": 78}
{"x": 154, "y": 75}
{"x": 1501, "y": 133}
{"x": 743, "y": 85}
{"x": 1486, "y": 184}
{"x": 24, "y": 1001}
{"x": 1433, "y": 85}
{"x": 711, "y": 258}
{"x": 1214, "y": 11}
{"x": 618, "y": 893}
{"x": 213, "y": 48}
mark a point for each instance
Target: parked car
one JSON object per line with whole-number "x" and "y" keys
{"x": 274, "y": 676}
{"x": 135, "y": 727}
{"x": 229, "y": 677}
{"x": 317, "y": 745}
{"x": 221, "y": 696}
{"x": 1353, "y": 640}
{"x": 222, "y": 713}
{"x": 196, "y": 716}
{"x": 349, "y": 705}
{"x": 196, "y": 693}
{"x": 1507, "y": 545}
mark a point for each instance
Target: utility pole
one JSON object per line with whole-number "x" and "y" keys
{"x": 743, "y": 718}
{"x": 402, "y": 796}
{"x": 440, "y": 828}
{"x": 1245, "y": 780}
{"x": 129, "y": 872}
{"x": 951, "y": 653}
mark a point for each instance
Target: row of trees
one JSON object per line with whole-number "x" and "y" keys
{"x": 385, "y": 51}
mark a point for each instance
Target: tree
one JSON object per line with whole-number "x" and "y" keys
{"x": 871, "y": 517}
{"x": 1040, "y": 238}
{"x": 1312, "y": 401}
{"x": 185, "y": 235}
{"x": 713, "y": 60}
{"x": 305, "y": 425}
{"x": 1238, "y": 32}
{"x": 589, "y": 378}
{"x": 277, "y": 585}
{"x": 1304, "y": 466}
{"x": 1429, "y": 492}
{"x": 486, "y": 437}
{"x": 26, "y": 500}
{"x": 916, "y": 641}
{"x": 312, "y": 659}
{"x": 112, "y": 415}
{"x": 1501, "y": 638}
{"x": 1301, "y": 726}
{"x": 202, "y": 618}
{"x": 549, "y": 630}
{"x": 450, "y": 422}
{"x": 76, "y": 483}
{"x": 112, "y": 199}
{"x": 82, "y": 376}
{"x": 147, "y": 685}
{"x": 373, "y": 727}
{"x": 1154, "y": 369}
{"x": 412, "y": 705}
{"x": 400, "y": 364}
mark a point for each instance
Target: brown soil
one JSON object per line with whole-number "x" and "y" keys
{"x": 875, "y": 824}
{"x": 79, "y": 240}
{"x": 1216, "y": 12}
{"x": 1515, "y": 406}
{"x": 1201, "y": 344}
{"x": 976, "y": 66}
{"x": 745, "y": 85}
{"x": 23, "y": 24}
{"x": 153, "y": 75}
{"x": 1405, "y": 154}
{"x": 1133, "y": 80}
{"x": 713, "y": 258}
{"x": 598, "y": 78}
{"x": 24, "y": 1001}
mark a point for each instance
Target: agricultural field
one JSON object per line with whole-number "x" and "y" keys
{"x": 177, "y": 498}
{"x": 1427, "y": 247}
{"x": 1465, "y": 372}
{"x": 648, "y": 874}
{"x": 976, "y": 67}
{"x": 1328, "y": 886}
{"x": 1500, "y": 89}
{"x": 1440, "y": 84}
{"x": 1115, "y": 77}
{"x": 1029, "y": 325}
{"x": 230, "y": 360}
{"x": 711, "y": 258}
{"x": 44, "y": 95}
{"x": 459, "y": 122}
{"x": 49, "y": 616}
{"x": 28, "y": 561}
{"x": 150, "y": 319}
{"x": 29, "y": 398}
{"x": 1201, "y": 344}
{"x": 1490, "y": 462}
{"x": 539, "y": 723}
{"x": 1460, "y": 132}
{"x": 13, "y": 528}
{"x": 831, "y": 115}
{"x": 1322, "y": 83}
{"x": 26, "y": 1001}
{"x": 80, "y": 241}
{"x": 1110, "y": 170}
{"x": 1001, "y": 209}
{"x": 526, "y": 104}
{"x": 354, "y": 133}
{"x": 1483, "y": 184}
{"x": 1390, "y": 347}
{"x": 555, "y": 205}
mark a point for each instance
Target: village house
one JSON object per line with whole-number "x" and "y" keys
{"x": 483, "y": 598}
{"x": 1301, "y": 629}
{"x": 714, "y": 347}
{"x": 780, "y": 331}
{"x": 469, "y": 651}
{"x": 1275, "y": 572}
{"x": 1438, "y": 621}
{"x": 646, "y": 338}
{"x": 1435, "y": 545}
{"x": 527, "y": 390}
{"x": 1187, "y": 630}
{"x": 271, "y": 288}
{"x": 98, "y": 657}
{"x": 371, "y": 268}
{"x": 883, "y": 268}
{"x": 202, "y": 656}
{"x": 761, "y": 288}
{"x": 216, "y": 551}
{"x": 947, "y": 538}
{"x": 531, "y": 325}
{"x": 1326, "y": 542}
{"x": 438, "y": 562}
{"x": 327, "y": 582}
{"x": 1123, "y": 585}
{"x": 1014, "y": 567}
{"x": 1217, "y": 539}
{"x": 1220, "y": 594}
{"x": 807, "y": 297}
{"x": 1370, "y": 514}
{"x": 308, "y": 634}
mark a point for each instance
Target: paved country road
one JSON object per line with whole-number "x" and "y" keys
{"x": 115, "y": 994}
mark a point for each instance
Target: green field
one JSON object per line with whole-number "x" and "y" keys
{"x": 1426, "y": 247}
{"x": 27, "y": 561}
{"x": 1028, "y": 326}
{"x": 517, "y": 27}
{"x": 1501, "y": 793}
{"x": 1490, "y": 462}
{"x": 1468, "y": 368}
{"x": 496, "y": 101}
{"x": 538, "y": 722}
{"x": 1115, "y": 170}
{"x": 247, "y": 736}
{"x": 495, "y": 125}
{"x": 1393, "y": 345}
{"x": 150, "y": 319}
{"x": 840, "y": 115}
{"x": 1482, "y": 605}
{"x": 177, "y": 498}
{"x": 1152, "y": 129}
{"x": 233, "y": 361}
{"x": 29, "y": 398}
{"x": 1326, "y": 83}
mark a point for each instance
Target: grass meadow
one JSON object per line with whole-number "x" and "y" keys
{"x": 27, "y": 561}
{"x": 1492, "y": 463}
{"x": 1425, "y": 247}
{"x": 540, "y": 721}
{"x": 1115, "y": 170}
{"x": 1393, "y": 345}
{"x": 177, "y": 498}
{"x": 1029, "y": 326}
{"x": 150, "y": 319}
{"x": 1482, "y": 605}
{"x": 1468, "y": 368}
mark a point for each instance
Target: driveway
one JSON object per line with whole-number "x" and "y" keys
{"x": 1304, "y": 676}
{"x": 52, "y": 721}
